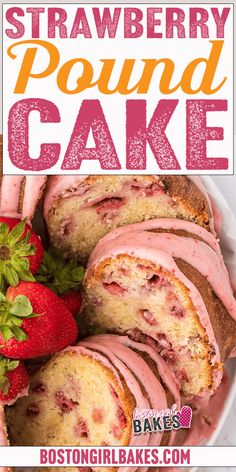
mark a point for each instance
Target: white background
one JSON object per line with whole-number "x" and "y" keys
{"x": 227, "y": 185}
{"x": 114, "y": 105}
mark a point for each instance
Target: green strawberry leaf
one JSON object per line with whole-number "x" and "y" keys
{"x": 21, "y": 307}
{"x": 77, "y": 274}
{"x": 4, "y": 230}
{"x": 26, "y": 275}
{"x": 6, "y": 365}
{"x": 6, "y": 332}
{"x": 19, "y": 334}
{"x": 12, "y": 316}
{"x": 48, "y": 260}
{"x": 59, "y": 275}
{"x": 16, "y": 233}
{"x": 2, "y": 297}
{"x": 26, "y": 250}
{"x": 16, "y": 320}
{"x": 12, "y": 365}
{"x": 11, "y": 275}
{"x": 14, "y": 252}
{"x": 2, "y": 283}
{"x": 27, "y": 237}
{"x": 34, "y": 315}
{"x": 4, "y": 385}
{"x": 20, "y": 264}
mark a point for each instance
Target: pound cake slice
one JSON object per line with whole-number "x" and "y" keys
{"x": 87, "y": 394}
{"x": 78, "y": 399}
{"x": 80, "y": 210}
{"x": 164, "y": 283}
{"x": 19, "y": 194}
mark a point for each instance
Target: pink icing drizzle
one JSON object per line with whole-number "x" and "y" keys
{"x": 130, "y": 358}
{"x": 56, "y": 187}
{"x": 10, "y": 193}
{"x": 130, "y": 380}
{"x": 132, "y": 384}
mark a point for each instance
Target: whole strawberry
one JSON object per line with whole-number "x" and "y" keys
{"x": 34, "y": 322}
{"x": 63, "y": 277}
{"x": 21, "y": 252}
{"x": 13, "y": 380}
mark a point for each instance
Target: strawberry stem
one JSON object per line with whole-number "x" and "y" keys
{"x": 6, "y": 365}
{"x": 14, "y": 251}
{"x": 59, "y": 275}
{"x": 12, "y": 316}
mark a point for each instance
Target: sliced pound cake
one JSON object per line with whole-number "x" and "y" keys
{"x": 80, "y": 210}
{"x": 86, "y": 396}
{"x": 164, "y": 282}
{"x": 78, "y": 399}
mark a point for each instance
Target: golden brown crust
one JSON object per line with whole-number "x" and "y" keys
{"x": 223, "y": 325}
{"x": 182, "y": 189}
{"x": 177, "y": 232}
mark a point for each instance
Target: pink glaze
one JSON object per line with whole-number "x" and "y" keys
{"x": 58, "y": 185}
{"x": 164, "y": 370}
{"x": 141, "y": 401}
{"x": 209, "y": 410}
{"x": 161, "y": 249}
{"x": 152, "y": 386}
{"x": 3, "y": 435}
{"x": 109, "y": 361}
{"x": 206, "y": 259}
{"x": 167, "y": 223}
{"x": 155, "y": 392}
{"x": 10, "y": 194}
{"x": 114, "y": 364}
{"x": 122, "y": 347}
